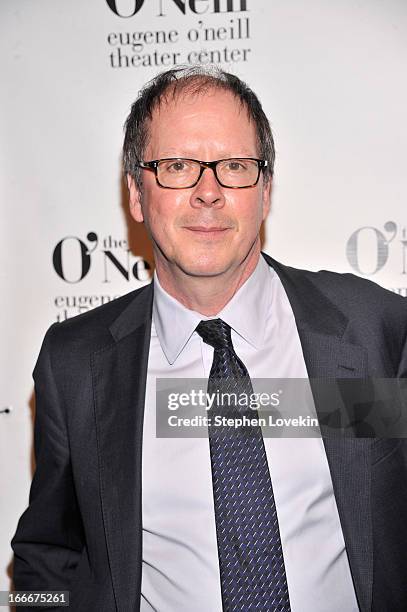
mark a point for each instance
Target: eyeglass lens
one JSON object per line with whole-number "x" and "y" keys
{"x": 184, "y": 173}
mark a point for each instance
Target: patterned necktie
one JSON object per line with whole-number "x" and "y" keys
{"x": 249, "y": 547}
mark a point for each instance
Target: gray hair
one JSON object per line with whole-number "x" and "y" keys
{"x": 196, "y": 79}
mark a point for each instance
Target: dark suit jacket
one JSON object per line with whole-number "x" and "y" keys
{"x": 82, "y": 531}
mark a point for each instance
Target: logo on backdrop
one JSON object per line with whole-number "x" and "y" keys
{"x": 183, "y": 6}
{"x": 105, "y": 260}
{"x": 369, "y": 249}
{"x": 219, "y": 36}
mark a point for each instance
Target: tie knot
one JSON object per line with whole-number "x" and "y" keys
{"x": 216, "y": 333}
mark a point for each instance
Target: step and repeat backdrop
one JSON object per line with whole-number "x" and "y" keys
{"x": 331, "y": 76}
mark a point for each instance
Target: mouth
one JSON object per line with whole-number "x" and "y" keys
{"x": 209, "y": 231}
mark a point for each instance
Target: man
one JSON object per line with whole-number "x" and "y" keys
{"x": 126, "y": 520}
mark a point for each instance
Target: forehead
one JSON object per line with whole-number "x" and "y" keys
{"x": 213, "y": 120}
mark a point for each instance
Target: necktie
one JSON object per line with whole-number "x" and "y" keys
{"x": 249, "y": 547}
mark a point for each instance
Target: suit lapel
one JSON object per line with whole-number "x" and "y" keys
{"x": 348, "y": 458}
{"x": 119, "y": 378}
{"x": 322, "y": 330}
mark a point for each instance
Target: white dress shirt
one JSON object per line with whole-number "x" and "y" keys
{"x": 180, "y": 569}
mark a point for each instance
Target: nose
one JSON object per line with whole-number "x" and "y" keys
{"x": 207, "y": 192}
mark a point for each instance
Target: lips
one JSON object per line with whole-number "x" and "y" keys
{"x": 205, "y": 229}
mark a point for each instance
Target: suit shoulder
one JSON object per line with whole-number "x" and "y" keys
{"x": 355, "y": 296}
{"x": 351, "y": 294}
{"x": 348, "y": 283}
{"x": 92, "y": 328}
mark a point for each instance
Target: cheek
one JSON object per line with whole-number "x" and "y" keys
{"x": 161, "y": 211}
{"x": 249, "y": 214}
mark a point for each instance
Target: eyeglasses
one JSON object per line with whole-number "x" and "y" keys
{"x": 181, "y": 173}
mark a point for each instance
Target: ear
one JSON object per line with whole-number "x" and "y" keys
{"x": 135, "y": 199}
{"x": 266, "y": 197}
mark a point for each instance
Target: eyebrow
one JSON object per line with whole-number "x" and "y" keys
{"x": 225, "y": 155}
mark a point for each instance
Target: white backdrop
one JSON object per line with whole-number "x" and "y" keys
{"x": 331, "y": 76}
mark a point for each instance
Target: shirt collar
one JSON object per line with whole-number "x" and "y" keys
{"x": 246, "y": 313}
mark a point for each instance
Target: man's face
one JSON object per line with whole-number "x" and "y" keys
{"x": 206, "y": 230}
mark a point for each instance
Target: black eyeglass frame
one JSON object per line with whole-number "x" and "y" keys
{"x": 153, "y": 166}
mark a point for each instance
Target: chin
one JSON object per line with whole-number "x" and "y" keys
{"x": 204, "y": 267}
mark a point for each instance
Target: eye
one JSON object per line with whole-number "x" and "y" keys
{"x": 176, "y": 166}
{"x": 235, "y": 165}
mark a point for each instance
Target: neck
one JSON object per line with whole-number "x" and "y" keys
{"x": 206, "y": 294}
